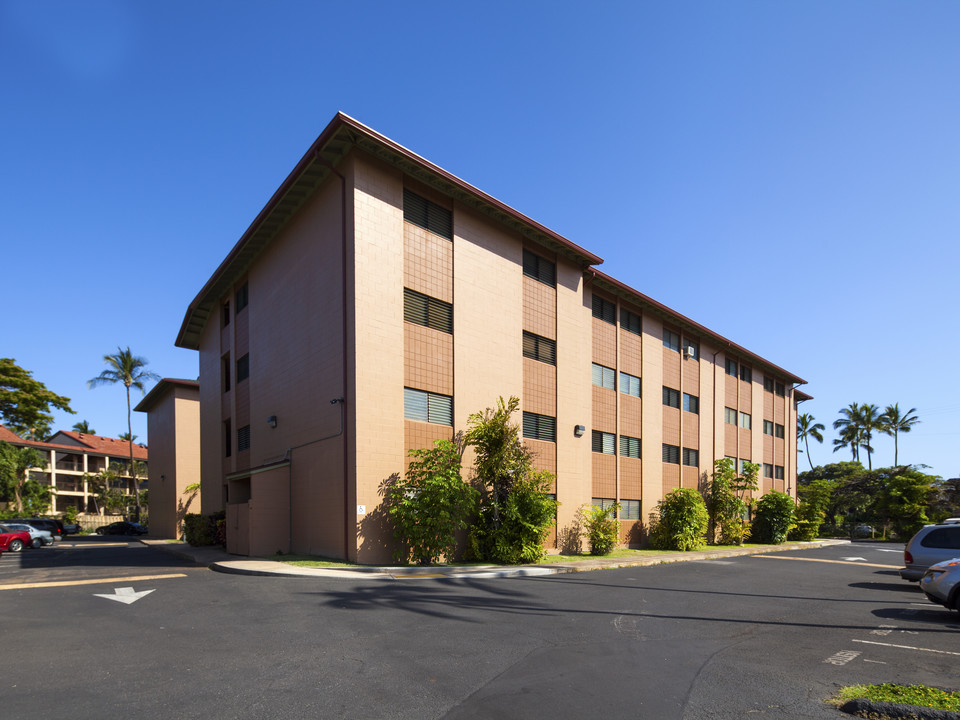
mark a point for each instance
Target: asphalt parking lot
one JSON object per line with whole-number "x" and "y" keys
{"x": 771, "y": 635}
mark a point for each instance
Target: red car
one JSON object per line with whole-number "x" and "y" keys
{"x": 13, "y": 541}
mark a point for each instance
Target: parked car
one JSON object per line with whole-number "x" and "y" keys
{"x": 13, "y": 540}
{"x": 941, "y": 583}
{"x": 54, "y": 526}
{"x": 37, "y": 537}
{"x": 931, "y": 545}
{"x": 122, "y": 528}
{"x": 71, "y": 528}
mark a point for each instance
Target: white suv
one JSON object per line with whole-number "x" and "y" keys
{"x": 932, "y": 544}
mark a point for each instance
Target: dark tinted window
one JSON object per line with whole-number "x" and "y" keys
{"x": 942, "y": 538}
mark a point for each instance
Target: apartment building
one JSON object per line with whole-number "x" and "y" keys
{"x": 377, "y": 301}
{"x": 70, "y": 457}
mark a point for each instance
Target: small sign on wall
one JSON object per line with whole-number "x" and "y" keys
{"x": 361, "y": 509}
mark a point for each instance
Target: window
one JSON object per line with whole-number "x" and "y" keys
{"x": 767, "y": 427}
{"x": 424, "y": 310}
{"x": 226, "y": 314}
{"x": 225, "y": 372}
{"x": 539, "y": 427}
{"x": 243, "y": 438}
{"x": 768, "y": 383}
{"x": 778, "y": 430}
{"x": 539, "y": 348}
{"x": 778, "y": 472}
{"x": 603, "y": 442}
{"x": 746, "y": 421}
{"x": 242, "y": 298}
{"x": 730, "y": 416}
{"x": 604, "y": 310}
{"x": 691, "y": 403}
{"x": 742, "y": 465}
{"x": 426, "y": 406}
{"x": 732, "y": 367}
{"x": 539, "y": 268}
{"x": 629, "y": 446}
{"x": 671, "y": 397}
{"x": 767, "y": 470}
{"x": 746, "y": 374}
{"x": 428, "y": 215}
{"x": 243, "y": 368}
{"x": 630, "y": 321}
{"x": 629, "y": 384}
{"x": 691, "y": 457}
{"x": 227, "y": 439}
{"x": 780, "y": 390}
{"x": 629, "y": 509}
{"x": 603, "y": 377}
{"x": 671, "y": 340}
{"x": 948, "y": 538}
{"x": 671, "y": 454}
{"x": 603, "y": 503}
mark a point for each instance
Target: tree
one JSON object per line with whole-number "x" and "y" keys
{"x": 127, "y": 437}
{"x": 904, "y": 497}
{"x": 870, "y": 421}
{"x": 893, "y": 422}
{"x": 15, "y": 464}
{"x": 84, "y": 427}
{"x": 107, "y": 485}
{"x": 857, "y": 425}
{"x": 126, "y": 368}
{"x": 430, "y": 504}
{"x": 516, "y": 510}
{"x": 775, "y": 514}
{"x": 807, "y": 428}
{"x": 25, "y": 403}
{"x": 726, "y": 500}
{"x": 602, "y": 527}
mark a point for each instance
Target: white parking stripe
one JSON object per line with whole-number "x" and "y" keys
{"x": 907, "y": 647}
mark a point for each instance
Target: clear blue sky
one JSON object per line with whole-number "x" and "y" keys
{"x": 786, "y": 173}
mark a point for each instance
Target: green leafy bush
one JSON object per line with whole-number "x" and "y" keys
{"x": 202, "y": 530}
{"x": 775, "y": 513}
{"x": 430, "y": 504}
{"x": 680, "y": 521}
{"x": 725, "y": 501}
{"x": 601, "y": 526}
{"x": 523, "y": 521}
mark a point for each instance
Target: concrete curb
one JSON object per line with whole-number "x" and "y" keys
{"x": 219, "y": 561}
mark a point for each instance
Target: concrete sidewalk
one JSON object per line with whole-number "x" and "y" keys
{"x": 216, "y": 558}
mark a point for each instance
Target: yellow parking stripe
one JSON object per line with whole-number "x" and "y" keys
{"x": 97, "y": 581}
{"x": 838, "y": 562}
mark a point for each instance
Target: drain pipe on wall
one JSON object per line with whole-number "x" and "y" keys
{"x": 288, "y": 456}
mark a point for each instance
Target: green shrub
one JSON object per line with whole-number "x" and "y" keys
{"x": 725, "y": 502}
{"x": 513, "y": 532}
{"x": 201, "y": 530}
{"x": 602, "y": 527}
{"x": 775, "y": 513}
{"x": 430, "y": 504}
{"x": 680, "y": 521}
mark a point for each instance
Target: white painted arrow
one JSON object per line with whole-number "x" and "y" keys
{"x": 125, "y": 595}
{"x": 853, "y": 559}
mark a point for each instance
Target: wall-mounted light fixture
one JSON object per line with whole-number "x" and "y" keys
{"x": 579, "y": 430}
{"x": 162, "y": 478}
{"x": 272, "y": 421}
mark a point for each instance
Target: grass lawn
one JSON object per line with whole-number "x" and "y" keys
{"x": 906, "y": 694}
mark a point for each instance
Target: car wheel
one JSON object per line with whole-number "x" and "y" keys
{"x": 35, "y": 543}
{"x": 16, "y": 545}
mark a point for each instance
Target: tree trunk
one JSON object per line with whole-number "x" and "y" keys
{"x": 133, "y": 467}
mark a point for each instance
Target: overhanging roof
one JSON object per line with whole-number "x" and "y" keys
{"x": 342, "y": 135}
{"x": 160, "y": 389}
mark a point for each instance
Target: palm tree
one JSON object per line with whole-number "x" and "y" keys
{"x": 84, "y": 427}
{"x": 851, "y": 430}
{"x": 806, "y": 429}
{"x": 127, "y": 436}
{"x": 870, "y": 421}
{"x": 125, "y": 367}
{"x": 894, "y": 423}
